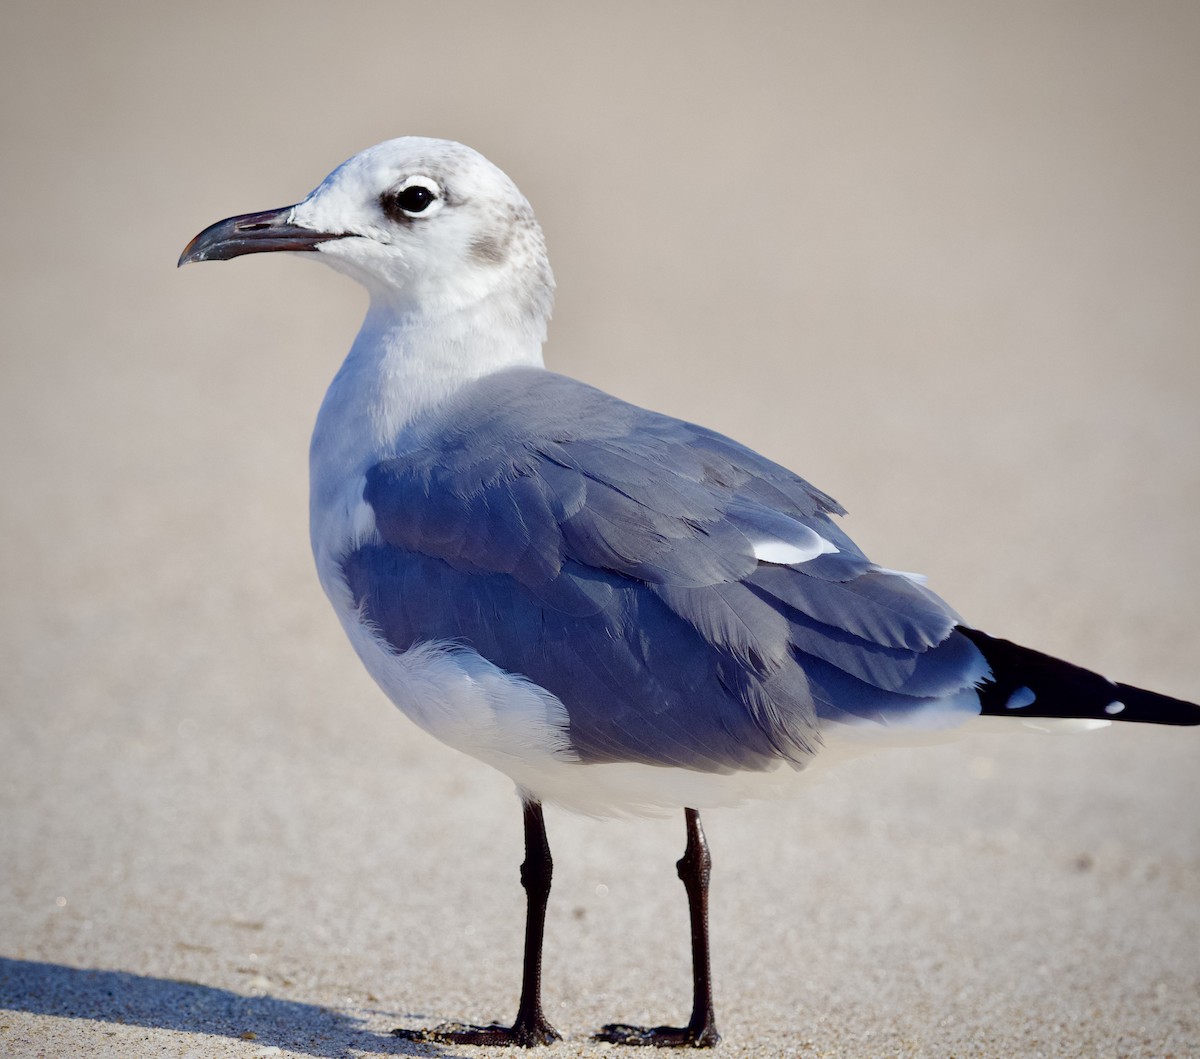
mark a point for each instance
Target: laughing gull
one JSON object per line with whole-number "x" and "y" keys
{"x": 623, "y": 612}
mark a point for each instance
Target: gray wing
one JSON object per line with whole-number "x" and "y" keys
{"x": 608, "y": 554}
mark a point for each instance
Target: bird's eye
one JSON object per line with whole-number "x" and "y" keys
{"x": 409, "y": 201}
{"x": 414, "y": 199}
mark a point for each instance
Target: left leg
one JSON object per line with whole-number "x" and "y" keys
{"x": 530, "y": 1027}
{"x": 695, "y": 868}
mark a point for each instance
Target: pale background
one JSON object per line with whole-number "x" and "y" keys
{"x": 941, "y": 258}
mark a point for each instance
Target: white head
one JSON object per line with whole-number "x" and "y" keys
{"x": 429, "y": 227}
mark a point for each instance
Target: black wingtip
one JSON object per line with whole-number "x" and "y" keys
{"x": 1028, "y": 683}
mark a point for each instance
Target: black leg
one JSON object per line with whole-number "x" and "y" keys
{"x": 537, "y": 869}
{"x": 530, "y": 1027}
{"x": 695, "y": 868}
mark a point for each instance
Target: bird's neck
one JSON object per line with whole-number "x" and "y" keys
{"x": 405, "y": 361}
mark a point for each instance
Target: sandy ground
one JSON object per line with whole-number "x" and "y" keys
{"x": 941, "y": 258}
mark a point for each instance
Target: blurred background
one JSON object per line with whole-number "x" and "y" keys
{"x": 943, "y": 259}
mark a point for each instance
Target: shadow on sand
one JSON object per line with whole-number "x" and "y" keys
{"x": 188, "y": 1007}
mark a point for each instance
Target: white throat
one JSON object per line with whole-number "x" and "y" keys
{"x": 405, "y": 361}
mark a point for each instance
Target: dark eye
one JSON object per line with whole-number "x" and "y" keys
{"x": 416, "y": 198}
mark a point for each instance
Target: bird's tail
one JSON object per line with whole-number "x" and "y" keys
{"x": 1027, "y": 683}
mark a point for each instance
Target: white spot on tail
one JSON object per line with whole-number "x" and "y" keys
{"x": 1116, "y": 706}
{"x": 1020, "y": 698}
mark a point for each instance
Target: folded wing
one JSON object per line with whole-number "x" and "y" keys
{"x": 689, "y": 601}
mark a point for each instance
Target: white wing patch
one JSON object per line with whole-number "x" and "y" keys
{"x": 908, "y": 575}
{"x": 790, "y": 553}
{"x": 361, "y": 517}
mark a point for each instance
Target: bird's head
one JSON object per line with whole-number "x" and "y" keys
{"x": 427, "y": 226}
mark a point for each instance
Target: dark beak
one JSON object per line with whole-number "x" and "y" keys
{"x": 253, "y": 233}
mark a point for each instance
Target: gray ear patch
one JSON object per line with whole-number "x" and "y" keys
{"x": 491, "y": 249}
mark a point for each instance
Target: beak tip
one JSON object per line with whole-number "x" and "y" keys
{"x": 194, "y": 251}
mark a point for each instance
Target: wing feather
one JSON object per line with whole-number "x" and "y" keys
{"x": 608, "y": 554}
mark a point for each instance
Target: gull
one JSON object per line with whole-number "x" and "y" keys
{"x": 623, "y": 612}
